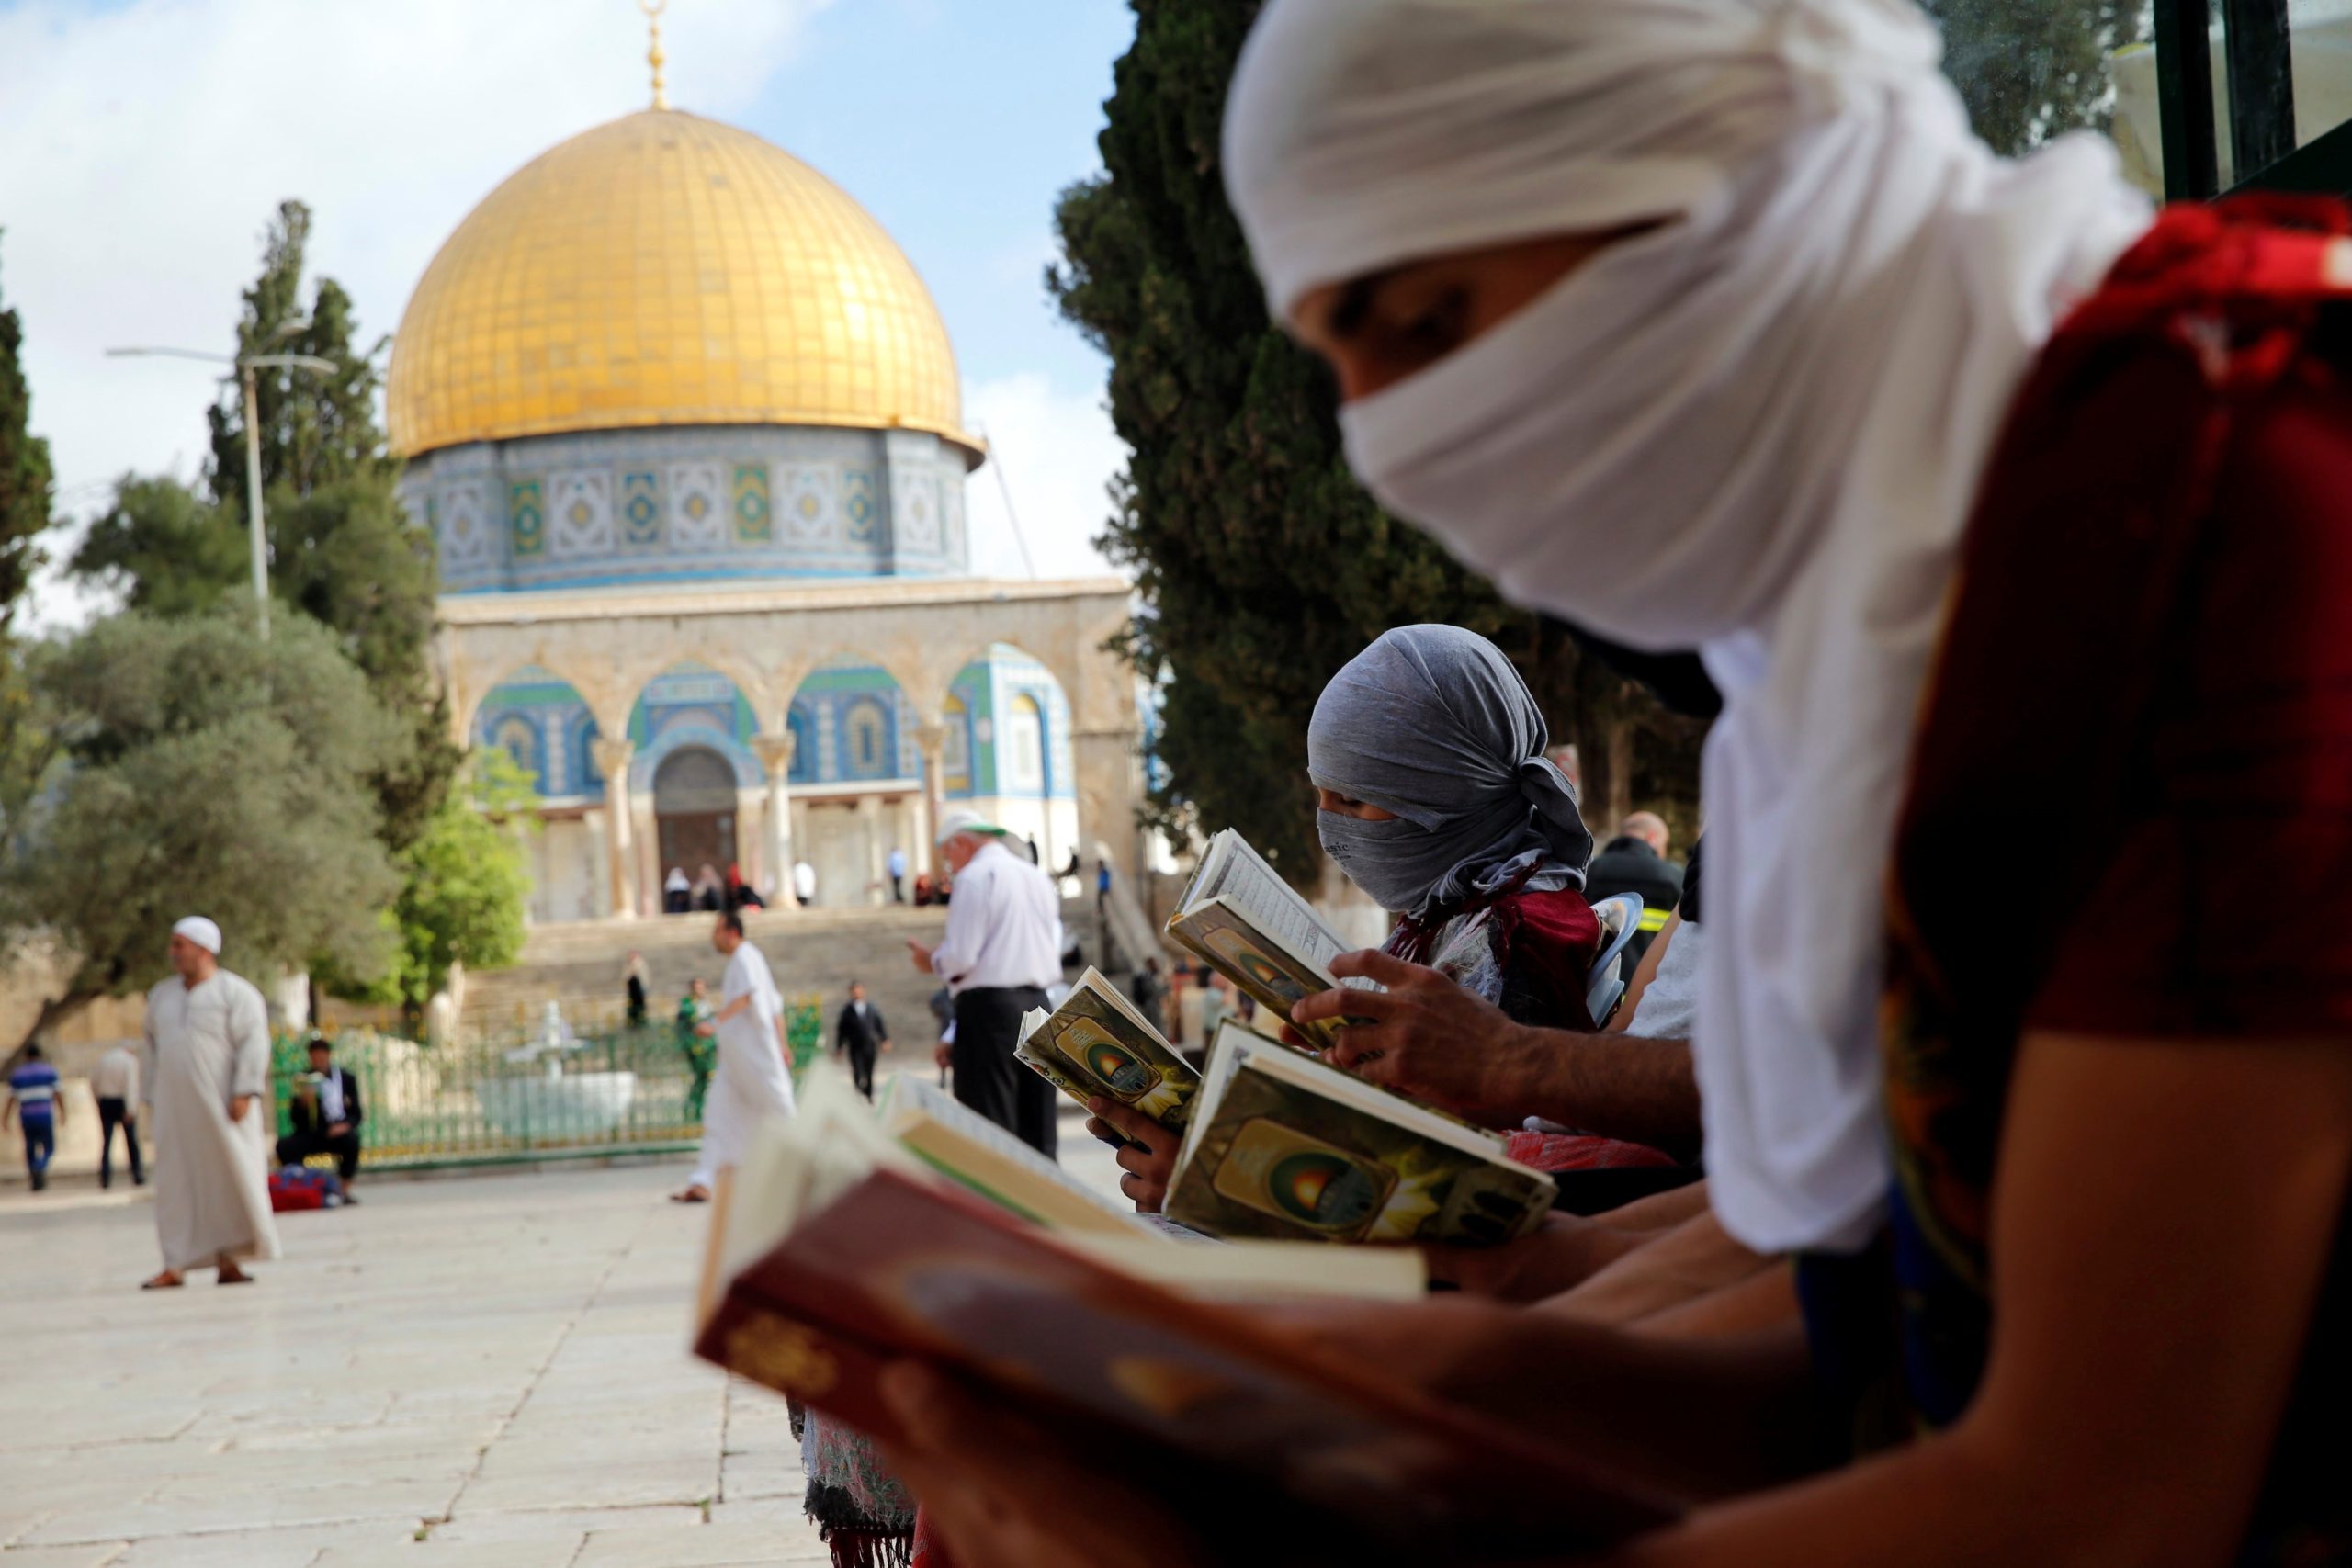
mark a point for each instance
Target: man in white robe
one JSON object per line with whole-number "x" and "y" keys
{"x": 205, "y": 1077}
{"x": 751, "y": 1081}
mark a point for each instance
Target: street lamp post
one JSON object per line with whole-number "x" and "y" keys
{"x": 246, "y": 365}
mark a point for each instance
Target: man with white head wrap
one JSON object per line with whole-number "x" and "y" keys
{"x": 204, "y": 1070}
{"x": 1696, "y": 321}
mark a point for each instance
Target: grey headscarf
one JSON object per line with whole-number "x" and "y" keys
{"x": 1432, "y": 723}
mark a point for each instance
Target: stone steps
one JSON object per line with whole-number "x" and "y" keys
{"x": 579, "y": 965}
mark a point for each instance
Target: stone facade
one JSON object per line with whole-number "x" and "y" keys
{"x": 845, "y": 715}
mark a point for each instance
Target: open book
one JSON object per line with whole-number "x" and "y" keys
{"x": 834, "y": 1259}
{"x": 1096, "y": 1043}
{"x": 1284, "y": 1145}
{"x": 1241, "y": 919}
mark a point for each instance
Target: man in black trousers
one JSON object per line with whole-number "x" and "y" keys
{"x": 1003, "y": 948}
{"x": 326, "y": 1115}
{"x": 861, "y": 1035}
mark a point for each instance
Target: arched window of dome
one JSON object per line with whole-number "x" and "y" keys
{"x": 867, "y": 730}
{"x": 518, "y": 736}
{"x": 956, "y": 751}
{"x": 1022, "y": 752}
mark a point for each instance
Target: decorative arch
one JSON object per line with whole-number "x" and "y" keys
{"x": 545, "y": 724}
{"x": 685, "y": 704}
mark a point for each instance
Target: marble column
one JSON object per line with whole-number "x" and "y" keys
{"x": 612, "y": 760}
{"x": 869, "y": 819}
{"x": 930, "y": 739}
{"x": 776, "y": 754}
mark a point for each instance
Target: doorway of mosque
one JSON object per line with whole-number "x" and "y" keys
{"x": 694, "y": 806}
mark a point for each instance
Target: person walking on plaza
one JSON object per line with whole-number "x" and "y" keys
{"x": 694, "y": 1008}
{"x": 33, "y": 1100}
{"x": 750, "y": 1083}
{"x": 115, "y": 1082}
{"x": 898, "y": 864}
{"x": 206, "y": 1073}
{"x": 1635, "y": 861}
{"x": 634, "y": 979}
{"x": 326, "y": 1115}
{"x": 860, "y": 1034}
{"x": 1147, "y": 988}
{"x": 1003, "y": 947}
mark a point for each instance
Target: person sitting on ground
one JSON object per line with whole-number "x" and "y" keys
{"x": 710, "y": 889}
{"x": 326, "y": 1113}
{"x": 741, "y": 894}
{"x": 677, "y": 892}
{"x": 1635, "y": 861}
{"x": 34, "y": 1101}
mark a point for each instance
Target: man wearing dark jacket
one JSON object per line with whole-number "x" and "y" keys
{"x": 326, "y": 1115}
{"x": 861, "y": 1035}
{"x": 1635, "y": 861}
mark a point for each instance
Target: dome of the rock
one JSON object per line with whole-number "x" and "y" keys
{"x": 664, "y": 269}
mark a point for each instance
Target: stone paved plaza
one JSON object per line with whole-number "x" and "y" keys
{"x": 477, "y": 1370}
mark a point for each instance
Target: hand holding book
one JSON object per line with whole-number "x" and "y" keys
{"x": 1423, "y": 1034}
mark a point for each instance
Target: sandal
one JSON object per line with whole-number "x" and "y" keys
{"x": 167, "y": 1280}
{"x": 697, "y": 1195}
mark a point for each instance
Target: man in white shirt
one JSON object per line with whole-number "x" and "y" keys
{"x": 1003, "y": 947}
{"x": 751, "y": 1081}
{"x": 115, "y": 1082}
{"x": 898, "y": 864}
{"x": 804, "y": 882}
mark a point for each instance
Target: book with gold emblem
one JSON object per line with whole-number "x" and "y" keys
{"x": 1241, "y": 919}
{"x": 1095, "y": 1044}
{"x": 1284, "y": 1146}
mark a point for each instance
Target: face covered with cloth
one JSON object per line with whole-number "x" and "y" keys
{"x": 1433, "y": 726}
{"x": 1691, "y": 321}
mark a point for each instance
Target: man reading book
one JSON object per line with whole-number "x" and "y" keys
{"x": 1003, "y": 947}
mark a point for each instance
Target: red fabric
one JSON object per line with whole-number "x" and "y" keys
{"x": 2129, "y": 809}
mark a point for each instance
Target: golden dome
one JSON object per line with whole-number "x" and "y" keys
{"x": 666, "y": 269}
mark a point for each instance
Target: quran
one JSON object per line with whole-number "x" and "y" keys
{"x": 1286, "y": 1146}
{"x": 1097, "y": 1046}
{"x": 1239, "y": 916}
{"x": 834, "y": 1254}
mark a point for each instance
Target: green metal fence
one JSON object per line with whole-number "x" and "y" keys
{"x": 600, "y": 1089}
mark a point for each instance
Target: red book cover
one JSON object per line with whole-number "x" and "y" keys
{"x": 900, "y": 1269}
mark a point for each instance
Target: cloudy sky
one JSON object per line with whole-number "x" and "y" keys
{"x": 144, "y": 144}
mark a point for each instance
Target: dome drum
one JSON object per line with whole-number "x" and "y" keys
{"x": 691, "y": 503}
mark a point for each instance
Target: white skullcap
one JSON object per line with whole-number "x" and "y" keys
{"x": 963, "y": 819}
{"x": 205, "y": 933}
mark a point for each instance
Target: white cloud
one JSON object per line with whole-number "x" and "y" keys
{"x": 144, "y": 146}
{"x": 1056, "y": 454}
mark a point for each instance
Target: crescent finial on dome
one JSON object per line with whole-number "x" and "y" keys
{"x": 653, "y": 56}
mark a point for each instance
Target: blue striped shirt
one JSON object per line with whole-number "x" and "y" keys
{"x": 35, "y": 1087}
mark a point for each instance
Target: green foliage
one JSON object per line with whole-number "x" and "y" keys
{"x": 201, "y": 770}
{"x": 26, "y": 480}
{"x": 2029, "y": 69}
{"x": 1263, "y": 566}
{"x": 167, "y": 549}
{"x": 315, "y": 429}
{"x": 463, "y": 890}
{"x": 341, "y": 550}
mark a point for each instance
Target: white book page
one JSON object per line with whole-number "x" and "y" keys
{"x": 911, "y": 1098}
{"x": 1253, "y": 887}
